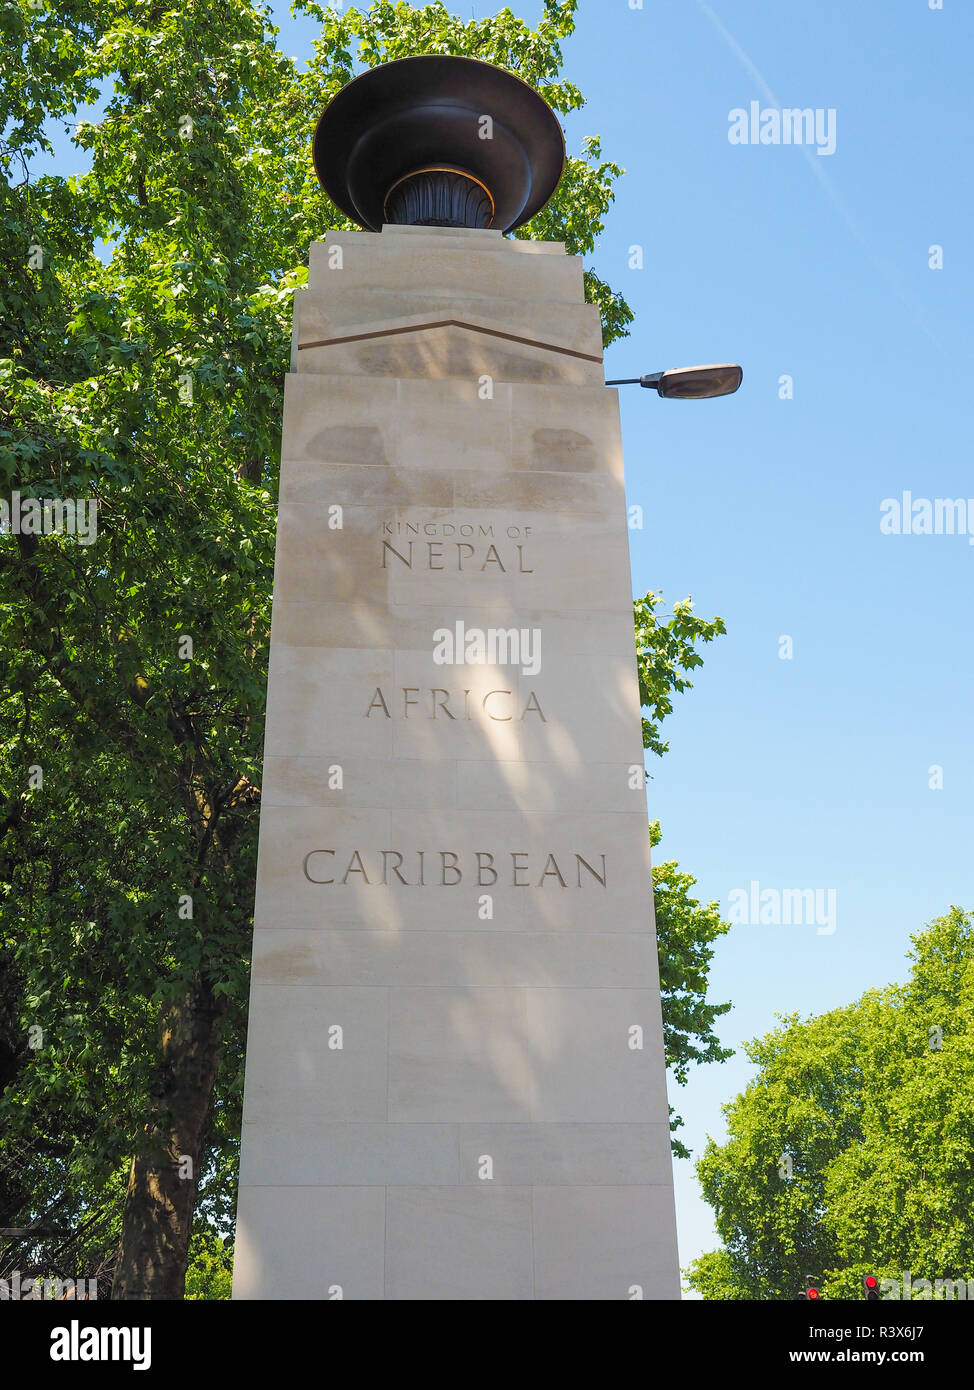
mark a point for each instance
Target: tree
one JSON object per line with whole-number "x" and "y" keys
{"x": 685, "y": 932}
{"x": 850, "y": 1152}
{"x": 664, "y": 651}
{"x": 210, "y": 1274}
{"x": 145, "y": 311}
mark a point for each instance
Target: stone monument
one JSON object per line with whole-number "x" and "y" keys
{"x": 455, "y": 1077}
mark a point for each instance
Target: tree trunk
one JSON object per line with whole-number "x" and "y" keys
{"x": 161, "y": 1197}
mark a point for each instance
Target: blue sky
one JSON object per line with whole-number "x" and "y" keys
{"x": 811, "y": 772}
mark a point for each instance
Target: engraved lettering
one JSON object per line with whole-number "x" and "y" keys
{"x": 442, "y": 704}
{"x": 386, "y": 853}
{"x": 445, "y": 868}
{"x": 533, "y": 704}
{"x": 394, "y": 868}
{"x": 378, "y": 702}
{"x": 498, "y": 718}
{"x": 579, "y": 861}
{"x": 551, "y": 873}
{"x": 487, "y": 868}
{"x": 310, "y": 856}
{"x": 387, "y": 547}
{"x": 446, "y": 702}
{"x": 356, "y": 859}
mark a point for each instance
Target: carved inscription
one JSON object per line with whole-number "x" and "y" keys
{"x": 444, "y": 868}
{"x": 411, "y": 701}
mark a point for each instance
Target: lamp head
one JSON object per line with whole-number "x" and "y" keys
{"x": 696, "y": 383}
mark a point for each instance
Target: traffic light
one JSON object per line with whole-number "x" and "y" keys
{"x": 871, "y": 1284}
{"x": 809, "y": 1292}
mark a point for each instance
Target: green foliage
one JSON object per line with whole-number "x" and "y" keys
{"x": 209, "y": 1274}
{"x": 664, "y": 651}
{"x": 685, "y": 932}
{"x": 713, "y": 1277}
{"x": 684, "y": 929}
{"x": 149, "y": 760}
{"x": 874, "y": 1105}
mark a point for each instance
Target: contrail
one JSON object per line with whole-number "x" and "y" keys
{"x": 849, "y": 217}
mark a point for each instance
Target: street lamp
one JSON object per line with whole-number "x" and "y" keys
{"x": 690, "y": 383}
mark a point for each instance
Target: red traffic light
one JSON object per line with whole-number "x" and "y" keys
{"x": 813, "y": 1292}
{"x": 871, "y": 1284}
